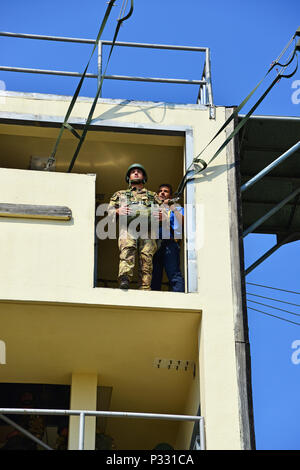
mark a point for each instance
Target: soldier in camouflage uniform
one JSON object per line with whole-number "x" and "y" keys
{"x": 62, "y": 438}
{"x": 133, "y": 202}
{"x": 35, "y": 424}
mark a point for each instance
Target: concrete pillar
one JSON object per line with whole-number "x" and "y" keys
{"x": 218, "y": 381}
{"x": 83, "y": 397}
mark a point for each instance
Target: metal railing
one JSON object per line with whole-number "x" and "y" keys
{"x": 104, "y": 414}
{"x": 270, "y": 167}
{"x": 204, "y": 97}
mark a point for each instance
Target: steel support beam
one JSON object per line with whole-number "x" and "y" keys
{"x": 25, "y": 432}
{"x": 270, "y": 167}
{"x": 270, "y": 213}
{"x": 5, "y": 68}
{"x": 156, "y": 46}
{"x": 202, "y": 434}
{"x": 83, "y": 413}
{"x": 81, "y": 432}
{"x": 270, "y": 252}
{"x": 182, "y": 81}
{"x": 112, "y": 414}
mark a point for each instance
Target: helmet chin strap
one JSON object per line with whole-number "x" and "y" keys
{"x": 136, "y": 181}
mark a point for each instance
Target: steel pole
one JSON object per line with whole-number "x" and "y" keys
{"x": 269, "y": 253}
{"x": 270, "y": 167}
{"x": 202, "y": 433}
{"x": 5, "y": 68}
{"x": 81, "y": 432}
{"x": 182, "y": 81}
{"x": 270, "y": 213}
{"x": 156, "y": 46}
{"x": 208, "y": 76}
{"x": 47, "y": 38}
{"x": 25, "y": 432}
{"x": 99, "y": 65}
{"x": 111, "y": 414}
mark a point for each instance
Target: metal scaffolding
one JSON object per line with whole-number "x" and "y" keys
{"x": 276, "y": 185}
{"x": 108, "y": 414}
{"x": 205, "y": 95}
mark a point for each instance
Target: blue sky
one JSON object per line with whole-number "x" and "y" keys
{"x": 244, "y": 38}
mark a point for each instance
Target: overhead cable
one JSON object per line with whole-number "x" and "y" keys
{"x": 275, "y": 308}
{"x": 275, "y": 316}
{"x": 198, "y": 165}
{"x": 274, "y": 288}
{"x": 275, "y": 300}
{"x": 123, "y": 8}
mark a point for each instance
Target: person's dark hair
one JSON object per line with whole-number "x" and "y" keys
{"x": 166, "y": 186}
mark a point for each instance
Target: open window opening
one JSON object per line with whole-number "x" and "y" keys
{"x": 162, "y": 158}
{"x": 111, "y": 433}
{"x": 107, "y": 153}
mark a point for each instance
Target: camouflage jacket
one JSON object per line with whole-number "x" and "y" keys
{"x": 139, "y": 201}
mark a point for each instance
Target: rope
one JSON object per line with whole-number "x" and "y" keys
{"x": 195, "y": 168}
{"x": 65, "y": 124}
{"x": 90, "y": 116}
{"x": 275, "y": 308}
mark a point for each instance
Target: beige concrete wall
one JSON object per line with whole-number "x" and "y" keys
{"x": 185, "y": 428}
{"x": 217, "y": 375}
{"x": 49, "y": 254}
{"x": 218, "y": 383}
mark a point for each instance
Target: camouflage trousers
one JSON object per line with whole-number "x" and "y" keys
{"x": 130, "y": 247}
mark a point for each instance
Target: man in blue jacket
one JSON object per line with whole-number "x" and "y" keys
{"x": 167, "y": 256}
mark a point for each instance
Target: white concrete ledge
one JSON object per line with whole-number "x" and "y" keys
{"x": 102, "y": 296}
{"x": 87, "y": 99}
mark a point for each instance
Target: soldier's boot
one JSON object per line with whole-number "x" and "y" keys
{"x": 124, "y": 282}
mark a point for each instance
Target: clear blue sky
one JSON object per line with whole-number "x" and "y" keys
{"x": 244, "y": 37}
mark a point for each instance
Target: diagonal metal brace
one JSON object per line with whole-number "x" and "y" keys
{"x": 271, "y": 212}
{"x": 272, "y": 250}
{"x": 270, "y": 167}
{"x": 25, "y": 432}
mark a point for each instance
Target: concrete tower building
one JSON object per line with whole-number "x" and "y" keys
{"x": 141, "y": 367}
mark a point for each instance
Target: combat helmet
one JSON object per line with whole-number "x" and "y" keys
{"x": 136, "y": 165}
